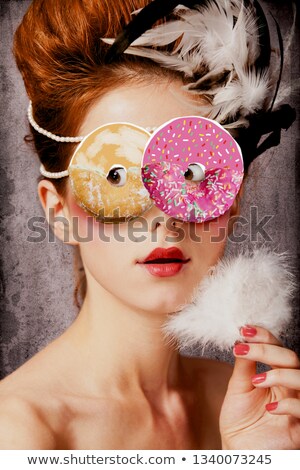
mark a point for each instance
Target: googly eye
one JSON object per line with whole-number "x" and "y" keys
{"x": 195, "y": 172}
{"x": 117, "y": 175}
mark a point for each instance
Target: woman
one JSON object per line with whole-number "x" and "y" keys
{"x": 111, "y": 381}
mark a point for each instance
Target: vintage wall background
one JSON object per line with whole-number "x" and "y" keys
{"x": 37, "y": 279}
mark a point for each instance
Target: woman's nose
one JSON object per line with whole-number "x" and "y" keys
{"x": 158, "y": 219}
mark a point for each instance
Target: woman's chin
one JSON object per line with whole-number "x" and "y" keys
{"x": 166, "y": 303}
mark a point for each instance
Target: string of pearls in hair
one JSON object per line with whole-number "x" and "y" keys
{"x": 48, "y": 134}
{"x": 53, "y": 174}
{"x": 57, "y": 138}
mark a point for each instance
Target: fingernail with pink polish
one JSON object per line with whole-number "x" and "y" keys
{"x": 248, "y": 331}
{"x": 259, "y": 378}
{"x": 241, "y": 349}
{"x": 272, "y": 406}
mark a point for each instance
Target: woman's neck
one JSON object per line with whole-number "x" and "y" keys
{"x": 123, "y": 348}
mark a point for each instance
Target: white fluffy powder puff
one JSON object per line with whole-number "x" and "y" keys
{"x": 255, "y": 287}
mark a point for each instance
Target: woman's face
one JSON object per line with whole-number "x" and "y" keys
{"x": 113, "y": 254}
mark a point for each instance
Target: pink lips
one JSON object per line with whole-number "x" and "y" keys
{"x": 164, "y": 262}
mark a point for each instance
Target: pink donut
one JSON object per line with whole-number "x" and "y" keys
{"x": 192, "y": 168}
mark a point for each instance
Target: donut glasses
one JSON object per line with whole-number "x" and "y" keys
{"x": 191, "y": 168}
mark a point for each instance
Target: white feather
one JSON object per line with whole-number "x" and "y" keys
{"x": 255, "y": 91}
{"x": 252, "y": 288}
{"x": 166, "y": 60}
{"x": 162, "y": 35}
{"x": 244, "y": 95}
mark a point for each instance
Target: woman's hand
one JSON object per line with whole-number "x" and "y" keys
{"x": 262, "y": 411}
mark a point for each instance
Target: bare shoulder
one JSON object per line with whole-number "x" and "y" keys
{"x": 21, "y": 427}
{"x": 41, "y": 409}
{"x": 27, "y": 410}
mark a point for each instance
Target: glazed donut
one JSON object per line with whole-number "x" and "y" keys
{"x": 192, "y": 168}
{"x": 105, "y": 172}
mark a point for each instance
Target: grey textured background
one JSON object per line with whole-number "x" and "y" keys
{"x": 37, "y": 279}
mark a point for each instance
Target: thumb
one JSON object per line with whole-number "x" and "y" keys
{"x": 243, "y": 371}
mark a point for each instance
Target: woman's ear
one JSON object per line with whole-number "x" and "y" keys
{"x": 56, "y": 212}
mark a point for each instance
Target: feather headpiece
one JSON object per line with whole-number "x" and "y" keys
{"x": 222, "y": 48}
